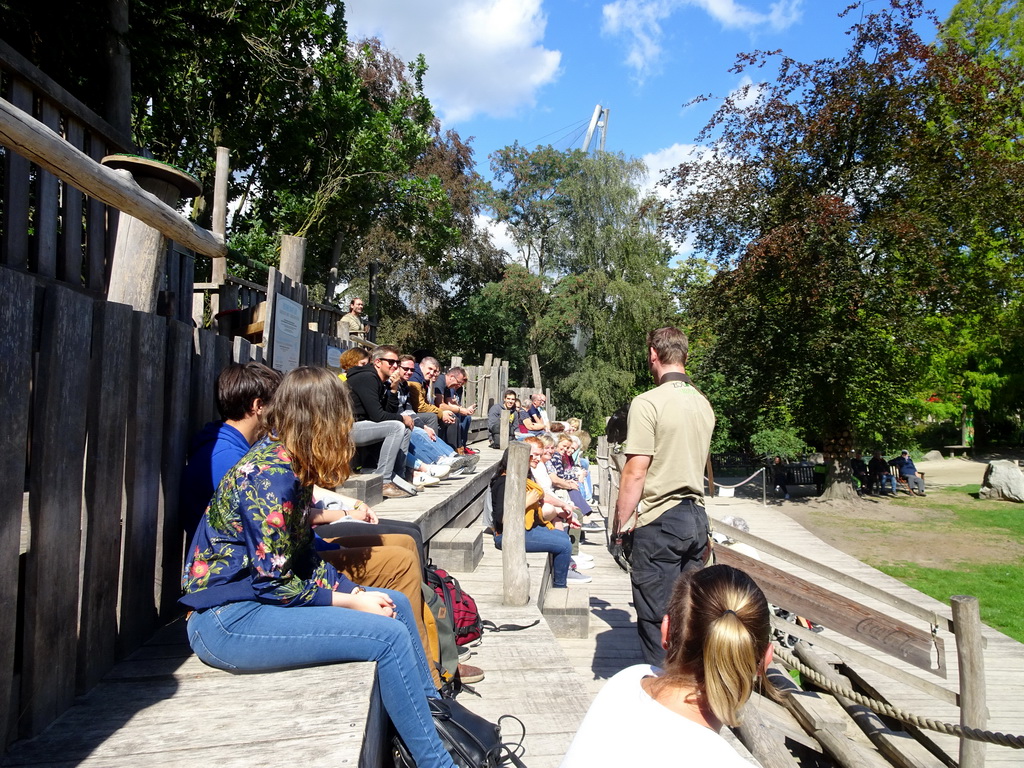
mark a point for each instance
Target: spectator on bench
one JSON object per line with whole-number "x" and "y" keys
{"x": 881, "y": 479}
{"x": 259, "y": 596}
{"x": 910, "y": 475}
{"x": 541, "y": 534}
{"x": 535, "y": 421}
{"x": 352, "y": 358}
{"x": 243, "y": 390}
{"x": 494, "y": 418}
{"x": 377, "y": 423}
{"x": 250, "y": 388}
{"x": 452, "y": 390}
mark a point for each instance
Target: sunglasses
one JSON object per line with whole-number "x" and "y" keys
{"x": 409, "y": 368}
{"x": 392, "y": 361}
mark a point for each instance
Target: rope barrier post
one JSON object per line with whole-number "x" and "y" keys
{"x": 516, "y": 578}
{"x": 969, "y": 645}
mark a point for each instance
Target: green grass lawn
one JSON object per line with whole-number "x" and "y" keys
{"x": 999, "y": 587}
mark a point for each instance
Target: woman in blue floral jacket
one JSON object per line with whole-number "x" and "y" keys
{"x": 259, "y": 595}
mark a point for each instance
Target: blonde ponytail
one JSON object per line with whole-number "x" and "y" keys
{"x": 719, "y": 631}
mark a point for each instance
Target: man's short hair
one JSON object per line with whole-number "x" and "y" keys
{"x": 509, "y": 392}
{"x": 354, "y": 300}
{"x": 457, "y": 371}
{"x": 428, "y": 360}
{"x": 238, "y": 385}
{"x": 383, "y": 351}
{"x": 670, "y": 344}
{"x": 406, "y": 359}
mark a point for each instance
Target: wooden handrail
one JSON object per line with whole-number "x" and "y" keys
{"x": 31, "y": 139}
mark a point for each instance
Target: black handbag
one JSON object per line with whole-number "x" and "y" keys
{"x": 471, "y": 740}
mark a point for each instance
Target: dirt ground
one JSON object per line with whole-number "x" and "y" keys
{"x": 876, "y": 530}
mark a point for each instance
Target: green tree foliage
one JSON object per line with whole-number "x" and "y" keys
{"x": 988, "y": 28}
{"x": 848, "y": 205}
{"x": 596, "y": 275}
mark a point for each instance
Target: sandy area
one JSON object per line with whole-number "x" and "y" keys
{"x": 885, "y": 530}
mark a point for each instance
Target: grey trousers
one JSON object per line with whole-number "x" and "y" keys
{"x": 394, "y": 439}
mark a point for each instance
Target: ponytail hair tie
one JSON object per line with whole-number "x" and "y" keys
{"x": 730, "y": 610}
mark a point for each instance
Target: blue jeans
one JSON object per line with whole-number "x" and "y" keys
{"x": 556, "y": 542}
{"x": 422, "y": 448}
{"x": 254, "y": 637}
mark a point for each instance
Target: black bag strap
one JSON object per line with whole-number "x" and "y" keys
{"x": 490, "y": 626}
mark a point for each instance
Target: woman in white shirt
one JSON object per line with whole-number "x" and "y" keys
{"x": 717, "y": 638}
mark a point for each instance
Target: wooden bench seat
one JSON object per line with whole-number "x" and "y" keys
{"x": 162, "y": 706}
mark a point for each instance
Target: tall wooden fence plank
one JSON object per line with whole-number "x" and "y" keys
{"x": 96, "y": 229}
{"x": 109, "y": 380}
{"x": 55, "y": 507}
{"x": 69, "y": 263}
{"x": 17, "y": 308}
{"x": 176, "y": 392}
{"x": 142, "y": 480}
{"x": 204, "y": 373}
{"x": 14, "y": 240}
{"x": 46, "y": 205}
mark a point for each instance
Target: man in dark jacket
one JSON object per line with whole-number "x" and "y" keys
{"x": 377, "y": 419}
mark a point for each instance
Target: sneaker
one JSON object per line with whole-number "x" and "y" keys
{"x": 584, "y": 557}
{"x": 470, "y": 452}
{"x": 439, "y": 471}
{"x": 405, "y": 485}
{"x": 464, "y": 653}
{"x": 575, "y": 577}
{"x": 594, "y": 526}
{"x": 582, "y": 565}
{"x": 423, "y": 479}
{"x": 392, "y": 491}
{"x": 470, "y": 674}
{"x": 787, "y": 496}
{"x": 471, "y": 462}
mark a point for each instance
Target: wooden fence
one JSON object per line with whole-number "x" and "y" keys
{"x": 49, "y": 227}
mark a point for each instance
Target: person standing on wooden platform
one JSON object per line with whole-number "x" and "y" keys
{"x": 661, "y": 493}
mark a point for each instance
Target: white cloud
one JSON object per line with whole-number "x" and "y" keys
{"x": 484, "y": 56}
{"x": 640, "y": 22}
{"x": 665, "y": 160}
{"x": 500, "y": 236}
{"x": 746, "y": 93}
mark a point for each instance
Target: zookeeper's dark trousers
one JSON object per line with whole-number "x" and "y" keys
{"x": 675, "y": 542}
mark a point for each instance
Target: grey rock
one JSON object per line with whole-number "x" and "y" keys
{"x": 1003, "y": 480}
{"x": 933, "y": 456}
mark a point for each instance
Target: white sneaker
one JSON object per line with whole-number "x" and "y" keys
{"x": 582, "y": 565}
{"x": 582, "y": 557}
{"x": 421, "y": 479}
{"x": 404, "y": 484}
{"x": 575, "y": 577}
{"x": 436, "y": 470}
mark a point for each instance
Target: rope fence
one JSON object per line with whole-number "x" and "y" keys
{"x": 882, "y": 708}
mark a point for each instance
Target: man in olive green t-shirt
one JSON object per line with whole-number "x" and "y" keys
{"x": 668, "y": 438}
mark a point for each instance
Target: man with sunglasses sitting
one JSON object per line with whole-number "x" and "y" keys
{"x": 377, "y": 419}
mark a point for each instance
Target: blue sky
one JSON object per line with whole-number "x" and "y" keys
{"x": 533, "y": 70}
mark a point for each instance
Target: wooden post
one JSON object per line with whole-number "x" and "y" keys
{"x": 971, "y": 658}
{"x": 516, "y": 577}
{"x": 503, "y": 431}
{"x": 535, "y": 368}
{"x": 137, "y": 272}
{"x": 220, "y": 214}
{"x": 293, "y": 255}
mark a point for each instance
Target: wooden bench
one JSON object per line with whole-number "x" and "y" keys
{"x": 162, "y": 706}
{"x": 965, "y": 450}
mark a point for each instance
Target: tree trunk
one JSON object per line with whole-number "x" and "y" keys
{"x": 839, "y": 484}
